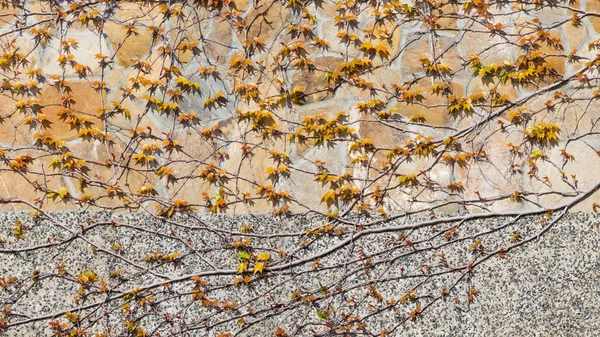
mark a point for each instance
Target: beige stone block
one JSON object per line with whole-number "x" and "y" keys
{"x": 386, "y": 76}
{"x": 495, "y": 50}
{"x": 88, "y": 45}
{"x": 328, "y": 10}
{"x": 219, "y": 42}
{"x": 336, "y": 46}
{"x": 492, "y": 177}
{"x": 585, "y": 158}
{"x": 13, "y": 130}
{"x": 575, "y": 118}
{"x": 549, "y": 15}
{"x": 130, "y": 12}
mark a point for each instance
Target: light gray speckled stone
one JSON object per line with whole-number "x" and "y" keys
{"x": 547, "y": 288}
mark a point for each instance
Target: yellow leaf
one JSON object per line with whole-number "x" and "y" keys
{"x": 72, "y": 317}
{"x": 264, "y": 257}
{"x": 329, "y": 197}
{"x": 242, "y": 267}
{"x": 63, "y": 192}
{"x": 323, "y": 315}
{"x": 258, "y": 267}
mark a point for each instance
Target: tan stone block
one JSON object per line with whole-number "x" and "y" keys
{"x": 328, "y": 111}
{"x": 115, "y": 80}
{"x": 21, "y": 185}
{"x": 525, "y": 28}
{"x": 128, "y": 46}
{"x": 96, "y": 154}
{"x": 156, "y": 62}
{"x": 39, "y": 7}
{"x": 594, "y": 6}
{"x": 433, "y": 115}
{"x": 415, "y": 47}
{"x": 229, "y": 127}
{"x": 314, "y": 82}
{"x": 240, "y": 5}
{"x": 555, "y": 62}
{"x": 381, "y": 134}
{"x": 267, "y": 20}
{"x": 575, "y": 36}
{"x": 196, "y": 154}
{"x": 382, "y": 31}
{"x": 252, "y": 169}
{"x": 88, "y": 103}
{"x": 449, "y": 12}
{"x": 14, "y": 186}
{"x": 476, "y": 86}
{"x": 122, "y": 124}
{"x": 8, "y": 15}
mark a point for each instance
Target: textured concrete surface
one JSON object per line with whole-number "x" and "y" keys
{"x": 548, "y": 288}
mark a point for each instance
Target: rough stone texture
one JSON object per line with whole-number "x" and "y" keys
{"x": 132, "y": 45}
{"x": 268, "y": 23}
{"x": 546, "y": 288}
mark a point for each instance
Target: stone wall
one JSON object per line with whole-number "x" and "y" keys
{"x": 125, "y": 46}
{"x": 548, "y": 288}
{"x": 255, "y": 165}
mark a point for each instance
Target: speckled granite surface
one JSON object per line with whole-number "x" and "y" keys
{"x": 549, "y": 288}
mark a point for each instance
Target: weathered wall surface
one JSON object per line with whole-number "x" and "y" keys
{"x": 545, "y": 289}
{"x": 548, "y": 288}
{"x": 200, "y": 107}
{"x": 220, "y": 43}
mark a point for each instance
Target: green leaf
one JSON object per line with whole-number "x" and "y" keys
{"x": 244, "y": 255}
